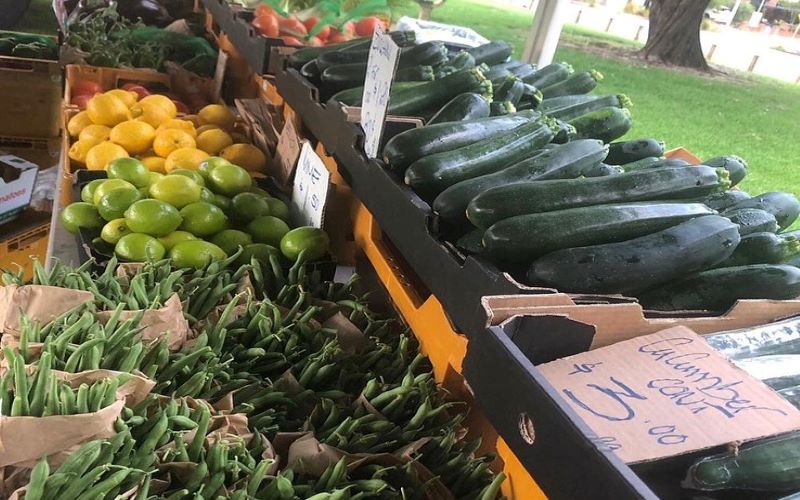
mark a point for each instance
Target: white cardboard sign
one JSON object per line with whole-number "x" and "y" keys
{"x": 310, "y": 191}
{"x": 381, "y": 66}
{"x": 667, "y": 394}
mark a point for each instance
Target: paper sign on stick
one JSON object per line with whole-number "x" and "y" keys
{"x": 381, "y": 66}
{"x": 310, "y": 191}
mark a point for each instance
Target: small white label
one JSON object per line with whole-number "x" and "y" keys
{"x": 310, "y": 190}
{"x": 381, "y": 66}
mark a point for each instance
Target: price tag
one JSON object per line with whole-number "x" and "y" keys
{"x": 286, "y": 153}
{"x": 310, "y": 192}
{"x": 381, "y": 66}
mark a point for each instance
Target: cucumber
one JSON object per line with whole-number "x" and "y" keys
{"x": 763, "y": 248}
{"x": 603, "y": 170}
{"x": 433, "y": 174}
{"x": 784, "y": 206}
{"x": 752, "y": 220}
{"x": 650, "y": 163}
{"x": 491, "y": 53}
{"x": 467, "y": 106}
{"x": 544, "y": 196}
{"x": 606, "y": 124}
{"x": 435, "y": 94}
{"x": 724, "y": 200}
{"x": 733, "y": 164}
{"x": 579, "y": 83}
{"x": 355, "y": 95}
{"x": 640, "y": 263}
{"x": 549, "y": 75}
{"x": 472, "y": 242}
{"x": 523, "y": 238}
{"x": 620, "y": 153}
{"x": 563, "y": 161}
{"x": 501, "y": 108}
{"x": 771, "y": 464}
{"x": 407, "y": 147}
{"x": 598, "y": 102}
{"x": 719, "y": 289}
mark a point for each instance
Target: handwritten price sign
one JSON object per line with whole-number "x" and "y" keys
{"x": 381, "y": 66}
{"x": 310, "y": 190}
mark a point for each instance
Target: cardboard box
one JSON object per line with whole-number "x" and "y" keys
{"x": 17, "y": 178}
{"x": 30, "y": 97}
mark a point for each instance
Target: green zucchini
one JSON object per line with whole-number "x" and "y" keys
{"x": 510, "y": 65}
{"x": 433, "y": 174}
{"x": 784, "y": 206}
{"x": 462, "y": 60}
{"x": 467, "y": 106}
{"x": 566, "y": 132}
{"x": 603, "y": 170}
{"x": 491, "y": 53}
{"x": 355, "y": 95}
{"x": 569, "y": 160}
{"x": 435, "y": 94}
{"x": 424, "y": 54}
{"x": 752, "y": 220}
{"x": 328, "y": 59}
{"x": 523, "y": 71}
{"x": 544, "y": 196}
{"x": 531, "y": 95}
{"x": 579, "y": 83}
{"x": 565, "y": 101}
{"x": 549, "y": 75}
{"x": 719, "y": 289}
{"x": 311, "y": 71}
{"x": 620, "y": 153}
{"x": 598, "y": 102}
{"x": 640, "y": 263}
{"x": 472, "y": 242}
{"x": 407, "y": 147}
{"x": 502, "y": 91}
{"x": 606, "y": 124}
{"x": 733, "y": 164}
{"x": 501, "y": 108}
{"x": 497, "y": 75}
{"x": 763, "y": 248}
{"x": 302, "y": 56}
{"x": 724, "y": 200}
{"x": 523, "y": 238}
{"x": 650, "y": 163}
{"x": 771, "y": 464}
{"x": 346, "y": 76}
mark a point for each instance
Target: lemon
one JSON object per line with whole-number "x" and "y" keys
{"x": 108, "y": 110}
{"x": 161, "y": 101}
{"x": 155, "y": 164}
{"x": 127, "y": 97}
{"x": 95, "y": 134}
{"x": 78, "y": 123}
{"x": 217, "y": 114}
{"x": 246, "y": 156}
{"x": 179, "y": 124}
{"x": 133, "y": 135}
{"x": 213, "y": 141}
{"x": 100, "y": 155}
{"x": 171, "y": 139}
{"x": 205, "y": 128}
{"x": 79, "y": 150}
{"x": 185, "y": 158}
{"x": 151, "y": 113}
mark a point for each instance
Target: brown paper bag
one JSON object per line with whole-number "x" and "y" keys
{"x": 166, "y": 322}
{"x": 40, "y": 303}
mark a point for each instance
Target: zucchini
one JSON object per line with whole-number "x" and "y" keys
{"x": 424, "y": 54}
{"x": 544, "y": 196}
{"x": 606, "y": 124}
{"x": 719, "y": 289}
{"x": 523, "y": 71}
{"x": 433, "y": 174}
{"x": 784, "y": 206}
{"x": 792, "y": 395}
{"x": 355, "y": 95}
{"x": 328, "y": 59}
{"x": 549, "y": 75}
{"x": 620, "y": 153}
{"x": 763, "y": 248}
{"x": 491, "y": 53}
{"x": 467, "y": 106}
{"x": 562, "y": 161}
{"x": 597, "y": 102}
{"x": 501, "y": 108}
{"x": 523, "y": 238}
{"x": 733, "y": 164}
{"x": 435, "y": 94}
{"x": 566, "y": 132}
{"x": 311, "y": 70}
{"x": 650, "y": 163}
{"x": 472, "y": 242}
{"x": 752, "y": 220}
{"x": 462, "y": 60}
{"x": 640, "y": 263}
{"x": 506, "y": 90}
{"x": 565, "y": 101}
{"x": 603, "y": 170}
{"x": 532, "y": 95}
{"x": 497, "y": 75}
{"x": 724, "y": 200}
{"x": 510, "y": 65}
{"x": 579, "y": 83}
{"x": 302, "y": 56}
{"x": 414, "y": 74}
{"x": 771, "y": 464}
{"x": 407, "y": 147}
{"x": 346, "y": 76}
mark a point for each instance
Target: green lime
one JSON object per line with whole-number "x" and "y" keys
{"x": 231, "y": 239}
{"x": 185, "y": 172}
{"x": 114, "y": 230}
{"x": 87, "y": 193}
{"x": 222, "y": 202}
{"x": 81, "y": 214}
{"x": 153, "y": 217}
{"x": 195, "y": 253}
{"x": 114, "y": 203}
{"x": 278, "y": 209}
{"x": 247, "y": 206}
{"x": 229, "y": 180}
{"x": 203, "y": 219}
{"x": 261, "y": 252}
{"x": 155, "y": 176}
{"x": 209, "y": 164}
{"x": 138, "y": 247}
{"x": 177, "y": 190}
{"x": 257, "y": 190}
{"x": 267, "y": 229}
{"x": 207, "y": 195}
{"x": 129, "y": 169}
{"x": 174, "y": 238}
{"x": 314, "y": 241}
{"x": 107, "y": 186}
{"x": 102, "y": 247}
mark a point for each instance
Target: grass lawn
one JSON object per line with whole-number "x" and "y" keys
{"x": 756, "y": 118}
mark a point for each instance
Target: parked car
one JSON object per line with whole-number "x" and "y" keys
{"x": 721, "y": 15}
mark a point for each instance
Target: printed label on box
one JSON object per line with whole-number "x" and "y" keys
{"x": 381, "y": 66}
{"x": 310, "y": 192}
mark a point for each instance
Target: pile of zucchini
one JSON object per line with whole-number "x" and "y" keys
{"x": 294, "y": 358}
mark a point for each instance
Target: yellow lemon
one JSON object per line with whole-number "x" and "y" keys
{"x": 100, "y": 155}
{"x": 238, "y": 137}
{"x": 217, "y": 114}
{"x": 95, "y": 134}
{"x": 79, "y": 149}
{"x": 129, "y": 98}
{"x": 151, "y": 113}
{"x": 204, "y": 128}
{"x": 213, "y": 141}
{"x": 179, "y": 124}
{"x": 108, "y": 110}
{"x": 155, "y": 164}
{"x": 189, "y": 158}
{"x": 161, "y": 101}
{"x": 194, "y": 119}
{"x": 170, "y": 139}
{"x": 246, "y": 156}
{"x": 133, "y": 135}
{"x": 78, "y": 123}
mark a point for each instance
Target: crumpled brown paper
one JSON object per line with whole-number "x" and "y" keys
{"x": 40, "y": 303}
{"x": 157, "y": 323}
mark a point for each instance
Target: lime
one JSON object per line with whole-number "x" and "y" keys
{"x": 113, "y": 204}
{"x": 314, "y": 241}
{"x": 185, "y": 172}
{"x": 87, "y": 192}
{"x": 137, "y": 247}
{"x": 278, "y": 209}
{"x": 231, "y": 239}
{"x": 209, "y": 164}
{"x": 195, "y": 253}
{"x": 155, "y": 176}
{"x": 259, "y": 251}
{"x": 129, "y": 169}
{"x": 247, "y": 206}
{"x": 177, "y": 190}
{"x": 145, "y": 192}
{"x": 153, "y": 217}
{"x": 114, "y": 230}
{"x": 229, "y": 180}
{"x": 203, "y": 219}
{"x": 222, "y": 202}
{"x": 107, "y": 186}
{"x": 81, "y": 214}
{"x": 257, "y": 190}
{"x": 267, "y": 229}
{"x": 207, "y": 195}
{"x": 174, "y": 238}
{"x": 102, "y": 247}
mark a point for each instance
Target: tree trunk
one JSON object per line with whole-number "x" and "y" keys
{"x": 674, "y": 35}
{"x": 425, "y": 12}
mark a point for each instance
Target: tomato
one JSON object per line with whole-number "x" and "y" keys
{"x": 350, "y": 27}
{"x": 366, "y": 26}
{"x": 267, "y": 25}
{"x": 265, "y": 10}
{"x": 291, "y": 41}
{"x": 82, "y": 100}
{"x": 337, "y": 37}
{"x": 86, "y": 87}
{"x": 182, "y": 108}
{"x": 140, "y": 91}
{"x": 293, "y": 27}
{"x": 312, "y": 21}
{"x": 314, "y": 42}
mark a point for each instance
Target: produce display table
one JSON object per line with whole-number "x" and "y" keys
{"x": 61, "y": 245}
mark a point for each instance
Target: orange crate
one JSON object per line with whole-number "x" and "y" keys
{"x": 23, "y": 239}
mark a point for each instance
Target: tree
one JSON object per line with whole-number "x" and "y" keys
{"x": 674, "y": 35}
{"x": 426, "y": 8}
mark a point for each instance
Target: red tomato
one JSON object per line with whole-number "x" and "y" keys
{"x": 265, "y": 10}
{"x": 182, "y": 108}
{"x": 337, "y": 37}
{"x": 81, "y": 100}
{"x": 366, "y": 26}
{"x": 86, "y": 87}
{"x": 312, "y": 21}
{"x": 293, "y": 27}
{"x": 267, "y": 25}
{"x": 314, "y": 42}
{"x": 292, "y": 41}
{"x": 350, "y": 27}
{"x": 138, "y": 89}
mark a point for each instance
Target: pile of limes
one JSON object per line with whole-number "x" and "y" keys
{"x": 191, "y": 216}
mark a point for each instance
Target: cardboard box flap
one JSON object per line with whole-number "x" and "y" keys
{"x": 668, "y": 394}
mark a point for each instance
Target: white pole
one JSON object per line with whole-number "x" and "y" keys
{"x": 762, "y": 5}
{"x": 734, "y": 11}
{"x": 545, "y": 32}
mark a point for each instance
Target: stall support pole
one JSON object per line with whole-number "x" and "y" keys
{"x": 545, "y": 31}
